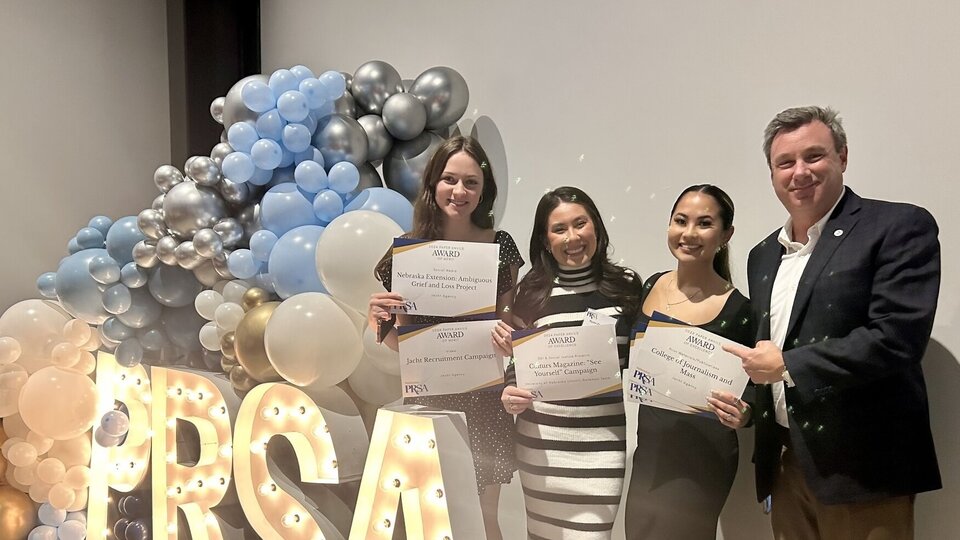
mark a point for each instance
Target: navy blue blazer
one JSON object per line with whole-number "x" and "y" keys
{"x": 861, "y": 321}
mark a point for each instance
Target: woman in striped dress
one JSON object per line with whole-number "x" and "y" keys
{"x": 571, "y": 454}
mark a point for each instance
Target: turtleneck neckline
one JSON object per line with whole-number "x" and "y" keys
{"x": 570, "y": 277}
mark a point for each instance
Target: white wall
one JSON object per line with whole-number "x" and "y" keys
{"x": 86, "y": 120}
{"x": 634, "y": 100}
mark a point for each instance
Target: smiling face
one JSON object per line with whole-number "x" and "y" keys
{"x": 696, "y": 229}
{"x": 460, "y": 186}
{"x": 807, "y": 171}
{"x": 571, "y": 237}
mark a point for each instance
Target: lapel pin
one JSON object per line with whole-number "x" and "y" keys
{"x": 838, "y": 232}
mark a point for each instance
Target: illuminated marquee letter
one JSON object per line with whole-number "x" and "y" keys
{"x": 423, "y": 456}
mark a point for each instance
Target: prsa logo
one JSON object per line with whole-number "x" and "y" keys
{"x": 415, "y": 388}
{"x": 537, "y": 394}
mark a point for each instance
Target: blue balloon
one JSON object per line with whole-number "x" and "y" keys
{"x": 293, "y": 106}
{"x": 266, "y": 154}
{"x": 78, "y": 292}
{"x": 144, "y": 309}
{"x": 51, "y": 516}
{"x": 242, "y": 135}
{"x": 115, "y": 330}
{"x": 344, "y": 177}
{"x": 310, "y": 154}
{"x": 311, "y": 177}
{"x": 302, "y": 72}
{"x": 120, "y": 527}
{"x": 242, "y": 264}
{"x": 122, "y": 236}
{"x": 101, "y": 223}
{"x": 293, "y": 262}
{"x": 182, "y": 326}
{"x": 152, "y": 339}
{"x": 237, "y": 167}
{"x": 73, "y": 246}
{"x": 296, "y": 137}
{"x": 327, "y": 205}
{"x": 270, "y": 125}
{"x": 47, "y": 284}
{"x": 43, "y": 532}
{"x": 261, "y": 242}
{"x": 285, "y": 207}
{"x": 257, "y": 97}
{"x": 286, "y": 159}
{"x": 314, "y": 91}
{"x": 72, "y": 530}
{"x": 310, "y": 122}
{"x": 115, "y": 422}
{"x": 105, "y": 270}
{"x": 173, "y": 286}
{"x": 133, "y": 276}
{"x": 264, "y": 281}
{"x": 88, "y": 237}
{"x": 261, "y": 177}
{"x": 129, "y": 353}
{"x": 282, "y": 176}
{"x": 386, "y": 201}
{"x": 103, "y": 438}
{"x": 117, "y": 299}
{"x": 283, "y": 80}
{"x": 333, "y": 83}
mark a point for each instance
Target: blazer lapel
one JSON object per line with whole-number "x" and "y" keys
{"x": 768, "y": 263}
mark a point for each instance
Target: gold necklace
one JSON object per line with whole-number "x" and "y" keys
{"x": 685, "y": 297}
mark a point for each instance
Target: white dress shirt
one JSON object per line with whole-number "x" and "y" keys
{"x": 784, "y": 292}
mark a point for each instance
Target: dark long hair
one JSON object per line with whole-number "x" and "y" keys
{"x": 721, "y": 261}
{"x": 615, "y": 282}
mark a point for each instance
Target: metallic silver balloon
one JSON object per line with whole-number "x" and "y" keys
{"x": 347, "y": 79}
{"x": 345, "y": 105}
{"x": 249, "y": 217}
{"x": 220, "y": 265}
{"x": 373, "y": 83}
{"x": 340, "y": 138}
{"x": 204, "y": 171}
{"x": 187, "y": 256}
{"x": 157, "y": 203}
{"x": 167, "y": 176}
{"x": 233, "y": 192}
{"x": 220, "y": 151}
{"x": 404, "y": 116}
{"x": 145, "y": 255}
{"x": 379, "y": 141}
{"x": 223, "y": 136}
{"x": 207, "y": 243}
{"x": 151, "y": 224}
{"x": 206, "y": 274}
{"x": 369, "y": 177}
{"x": 230, "y": 232}
{"x": 444, "y": 93}
{"x": 404, "y": 166}
{"x": 187, "y": 208}
{"x": 233, "y": 108}
{"x": 165, "y": 250}
{"x": 216, "y": 109}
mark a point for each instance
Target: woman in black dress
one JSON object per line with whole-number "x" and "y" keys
{"x": 456, "y": 203}
{"x": 685, "y": 464}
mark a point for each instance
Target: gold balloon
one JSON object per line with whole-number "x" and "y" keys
{"x": 241, "y": 380}
{"x": 254, "y": 297}
{"x": 3, "y": 462}
{"x": 227, "y": 346}
{"x": 18, "y": 514}
{"x": 248, "y": 343}
{"x": 226, "y": 364}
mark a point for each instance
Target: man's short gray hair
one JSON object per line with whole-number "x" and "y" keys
{"x": 797, "y": 117}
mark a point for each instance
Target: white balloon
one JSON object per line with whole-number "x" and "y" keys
{"x": 382, "y": 357}
{"x": 207, "y": 302}
{"x": 233, "y": 291}
{"x": 210, "y": 337}
{"x": 373, "y": 385}
{"x": 228, "y": 316}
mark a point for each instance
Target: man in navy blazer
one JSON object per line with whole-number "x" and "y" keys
{"x": 845, "y": 296}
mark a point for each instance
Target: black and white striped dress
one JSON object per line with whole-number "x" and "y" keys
{"x": 572, "y": 454}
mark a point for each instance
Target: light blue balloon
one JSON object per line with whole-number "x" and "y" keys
{"x": 242, "y": 135}
{"x": 266, "y": 154}
{"x": 286, "y": 159}
{"x": 293, "y": 262}
{"x": 117, "y": 299}
{"x": 73, "y": 246}
{"x": 115, "y": 423}
{"x": 264, "y": 281}
{"x": 333, "y": 83}
{"x": 344, "y": 177}
{"x": 261, "y": 242}
{"x": 293, "y": 106}
{"x": 310, "y": 154}
{"x": 133, "y": 276}
{"x": 314, "y": 91}
{"x": 129, "y": 353}
{"x": 77, "y": 516}
{"x": 182, "y": 326}
{"x": 311, "y": 177}
{"x": 105, "y": 270}
{"x": 72, "y": 530}
{"x": 270, "y": 125}
{"x": 122, "y": 236}
{"x": 261, "y": 177}
{"x": 282, "y": 176}
{"x": 386, "y": 201}
{"x": 102, "y": 437}
{"x": 173, "y": 286}
{"x": 88, "y": 237}
{"x": 47, "y": 284}
{"x": 283, "y": 80}
{"x": 258, "y": 97}
{"x": 310, "y": 122}
{"x": 327, "y": 205}
{"x": 115, "y": 330}
{"x": 237, "y": 167}
{"x": 78, "y": 292}
{"x": 144, "y": 309}
{"x": 242, "y": 264}
{"x": 153, "y": 338}
{"x": 101, "y": 223}
{"x": 43, "y": 532}
{"x": 51, "y": 516}
{"x": 296, "y": 138}
{"x": 285, "y": 207}
{"x": 301, "y": 72}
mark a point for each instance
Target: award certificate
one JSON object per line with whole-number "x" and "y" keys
{"x": 445, "y": 278}
{"x": 640, "y": 387}
{"x": 567, "y": 363}
{"x": 449, "y": 358}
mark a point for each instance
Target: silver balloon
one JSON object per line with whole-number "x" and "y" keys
{"x": 220, "y": 265}
{"x": 373, "y": 83}
{"x": 145, "y": 255}
{"x": 345, "y": 105}
{"x": 151, "y": 224}
{"x": 369, "y": 177}
{"x": 165, "y": 250}
{"x": 379, "y": 141}
{"x": 204, "y": 171}
{"x": 167, "y": 176}
{"x": 404, "y": 116}
{"x": 347, "y": 79}
{"x": 233, "y": 192}
{"x": 187, "y": 256}
{"x": 220, "y": 151}
{"x": 207, "y": 243}
{"x": 444, "y": 93}
{"x": 340, "y": 138}
{"x": 223, "y": 136}
{"x": 206, "y": 274}
{"x": 407, "y": 83}
{"x": 187, "y": 208}
{"x": 216, "y": 109}
{"x": 404, "y": 166}
{"x": 230, "y": 232}
{"x": 157, "y": 203}
{"x": 233, "y": 108}
{"x": 249, "y": 217}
